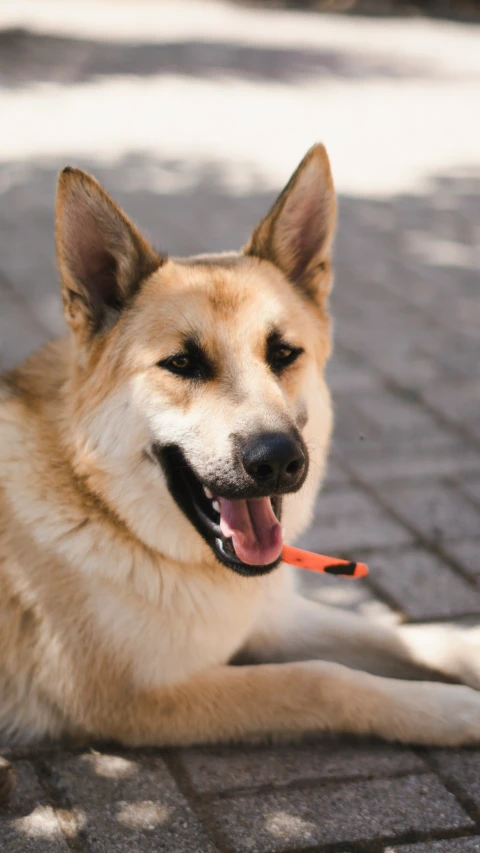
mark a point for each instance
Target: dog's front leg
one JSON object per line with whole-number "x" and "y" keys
{"x": 284, "y": 700}
{"x": 300, "y": 629}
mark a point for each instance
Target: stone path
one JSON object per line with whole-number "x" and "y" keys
{"x": 403, "y": 489}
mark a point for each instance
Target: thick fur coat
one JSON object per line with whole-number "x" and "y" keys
{"x": 119, "y": 617}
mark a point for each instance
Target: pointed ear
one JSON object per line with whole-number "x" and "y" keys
{"x": 297, "y": 233}
{"x": 101, "y": 257}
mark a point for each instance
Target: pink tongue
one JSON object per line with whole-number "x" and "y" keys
{"x": 254, "y": 529}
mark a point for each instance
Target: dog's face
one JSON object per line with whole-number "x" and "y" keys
{"x": 198, "y": 384}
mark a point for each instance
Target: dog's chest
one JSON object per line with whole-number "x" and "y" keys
{"x": 197, "y": 623}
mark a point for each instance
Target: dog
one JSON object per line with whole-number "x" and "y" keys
{"x": 152, "y": 461}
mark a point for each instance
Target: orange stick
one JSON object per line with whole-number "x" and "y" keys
{"x": 320, "y": 563}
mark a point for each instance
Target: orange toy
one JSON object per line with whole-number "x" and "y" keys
{"x": 320, "y": 563}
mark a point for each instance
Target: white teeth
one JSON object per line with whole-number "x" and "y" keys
{"x": 216, "y": 506}
{"x": 208, "y": 493}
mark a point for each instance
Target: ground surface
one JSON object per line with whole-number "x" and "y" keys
{"x": 193, "y": 117}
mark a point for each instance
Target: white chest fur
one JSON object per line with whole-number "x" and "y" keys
{"x": 201, "y": 619}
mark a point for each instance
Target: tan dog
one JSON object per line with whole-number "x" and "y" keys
{"x": 145, "y": 461}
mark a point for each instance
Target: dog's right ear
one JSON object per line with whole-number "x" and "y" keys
{"x": 297, "y": 233}
{"x": 101, "y": 256}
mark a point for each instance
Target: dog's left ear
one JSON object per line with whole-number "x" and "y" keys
{"x": 297, "y": 233}
{"x": 102, "y": 258}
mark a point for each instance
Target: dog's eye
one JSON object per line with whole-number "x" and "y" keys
{"x": 283, "y": 353}
{"x": 281, "y": 356}
{"x": 180, "y": 362}
{"x": 185, "y": 365}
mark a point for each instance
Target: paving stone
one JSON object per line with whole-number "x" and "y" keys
{"x": 357, "y": 597}
{"x": 128, "y": 804}
{"x": 335, "y": 475}
{"x": 413, "y": 460}
{"x": 351, "y": 426}
{"x": 38, "y": 832}
{"x": 20, "y": 332}
{"x": 472, "y": 489}
{"x": 350, "y": 501}
{"x": 345, "y": 375}
{"x": 394, "y": 416}
{"x": 214, "y": 770}
{"x": 422, "y": 585}
{"x": 458, "y": 403}
{"x": 347, "y": 520}
{"x": 401, "y": 359}
{"x": 454, "y": 350}
{"x": 467, "y": 553}
{"x": 451, "y": 845}
{"x": 351, "y": 811}
{"x": 405, "y": 308}
{"x": 462, "y": 768}
{"x": 375, "y": 327}
{"x": 434, "y": 508}
{"x": 27, "y": 259}
{"x": 29, "y": 824}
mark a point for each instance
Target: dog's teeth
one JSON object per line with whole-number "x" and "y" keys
{"x": 208, "y": 493}
{"x": 216, "y": 506}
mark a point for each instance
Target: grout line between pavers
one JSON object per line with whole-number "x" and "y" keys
{"x": 196, "y": 802}
{"x": 362, "y": 846}
{"x": 419, "y": 538}
{"x": 454, "y": 426}
{"x": 408, "y": 479}
{"x": 305, "y": 784}
{"x": 456, "y": 486}
{"x": 62, "y": 807}
{"x": 467, "y": 803}
{"x": 398, "y": 388}
{"x": 396, "y": 480}
{"x": 418, "y": 308}
{"x": 372, "y": 550}
{"x": 379, "y": 844}
{"x": 423, "y": 539}
{"x": 202, "y": 801}
{"x": 32, "y": 752}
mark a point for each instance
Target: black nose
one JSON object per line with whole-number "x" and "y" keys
{"x": 275, "y": 461}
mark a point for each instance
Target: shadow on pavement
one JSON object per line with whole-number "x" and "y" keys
{"x": 29, "y": 57}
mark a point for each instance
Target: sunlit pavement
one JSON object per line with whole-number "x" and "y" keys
{"x": 193, "y": 115}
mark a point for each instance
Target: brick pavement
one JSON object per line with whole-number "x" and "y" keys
{"x": 403, "y": 490}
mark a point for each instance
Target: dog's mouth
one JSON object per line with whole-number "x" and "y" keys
{"x": 243, "y": 533}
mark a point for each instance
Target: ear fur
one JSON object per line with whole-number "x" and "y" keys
{"x": 101, "y": 256}
{"x": 297, "y": 233}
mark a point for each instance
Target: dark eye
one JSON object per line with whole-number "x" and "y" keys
{"x": 182, "y": 365}
{"x": 180, "y": 362}
{"x": 281, "y": 356}
{"x": 187, "y": 365}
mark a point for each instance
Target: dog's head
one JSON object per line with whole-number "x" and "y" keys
{"x": 197, "y": 398}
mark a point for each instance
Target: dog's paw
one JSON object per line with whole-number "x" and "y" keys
{"x": 427, "y": 713}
